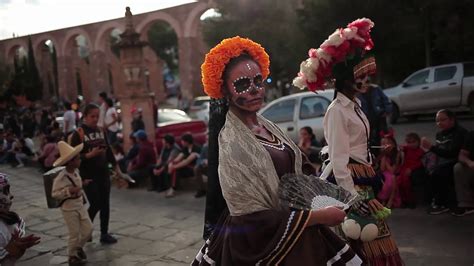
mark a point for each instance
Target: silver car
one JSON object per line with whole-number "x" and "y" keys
{"x": 295, "y": 111}
{"x": 433, "y": 88}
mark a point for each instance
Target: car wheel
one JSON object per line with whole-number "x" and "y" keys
{"x": 395, "y": 115}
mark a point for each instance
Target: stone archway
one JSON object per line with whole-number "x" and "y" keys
{"x": 11, "y": 49}
{"x": 148, "y": 21}
{"x": 101, "y": 38}
{"x": 70, "y": 63}
{"x": 70, "y": 38}
{"x": 154, "y": 64}
{"x": 46, "y": 62}
{"x": 192, "y": 50}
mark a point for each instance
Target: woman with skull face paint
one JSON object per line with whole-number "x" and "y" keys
{"x": 13, "y": 242}
{"x": 347, "y": 129}
{"x": 247, "y": 157}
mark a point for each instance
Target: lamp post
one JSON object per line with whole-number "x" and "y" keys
{"x": 134, "y": 94}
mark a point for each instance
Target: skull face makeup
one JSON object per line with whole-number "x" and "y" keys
{"x": 5, "y": 196}
{"x": 245, "y": 86}
{"x": 361, "y": 85}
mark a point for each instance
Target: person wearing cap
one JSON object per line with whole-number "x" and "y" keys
{"x": 67, "y": 187}
{"x": 183, "y": 164}
{"x": 137, "y": 122}
{"x": 140, "y": 167}
{"x": 13, "y": 242}
{"x": 160, "y": 177}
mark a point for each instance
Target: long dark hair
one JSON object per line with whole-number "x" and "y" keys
{"x": 309, "y": 130}
{"x": 393, "y": 154}
{"x": 89, "y": 107}
{"x": 215, "y": 203}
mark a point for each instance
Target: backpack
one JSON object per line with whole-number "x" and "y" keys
{"x": 48, "y": 180}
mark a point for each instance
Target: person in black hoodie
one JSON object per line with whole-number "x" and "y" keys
{"x": 96, "y": 156}
{"x": 449, "y": 141}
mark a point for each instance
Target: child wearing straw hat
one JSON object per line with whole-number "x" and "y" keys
{"x": 67, "y": 187}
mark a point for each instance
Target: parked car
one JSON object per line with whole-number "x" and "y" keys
{"x": 293, "y": 112}
{"x": 176, "y": 122}
{"x": 200, "y": 108}
{"x": 433, "y": 88}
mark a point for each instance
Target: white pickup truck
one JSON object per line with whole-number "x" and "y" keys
{"x": 433, "y": 88}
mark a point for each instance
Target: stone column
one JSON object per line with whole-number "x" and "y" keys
{"x": 154, "y": 66}
{"x": 191, "y": 57}
{"x": 99, "y": 79}
{"x": 134, "y": 93}
{"x": 66, "y": 78}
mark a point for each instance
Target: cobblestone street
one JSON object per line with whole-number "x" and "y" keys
{"x": 153, "y": 230}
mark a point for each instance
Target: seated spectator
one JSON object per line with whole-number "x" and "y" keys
{"x": 309, "y": 145}
{"x": 183, "y": 164}
{"x": 131, "y": 154}
{"x": 49, "y": 153}
{"x": 199, "y": 170}
{"x": 411, "y": 169}
{"x": 117, "y": 151}
{"x": 464, "y": 178}
{"x": 55, "y": 130}
{"x": 160, "y": 178}
{"x": 137, "y": 122}
{"x": 20, "y": 152}
{"x": 140, "y": 167}
{"x": 389, "y": 161}
{"x": 8, "y": 147}
{"x": 448, "y": 145}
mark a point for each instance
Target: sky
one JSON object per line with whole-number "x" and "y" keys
{"x": 23, "y": 17}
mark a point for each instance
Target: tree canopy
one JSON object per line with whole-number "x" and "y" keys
{"x": 408, "y": 34}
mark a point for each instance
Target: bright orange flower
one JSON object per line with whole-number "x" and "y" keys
{"x": 218, "y": 57}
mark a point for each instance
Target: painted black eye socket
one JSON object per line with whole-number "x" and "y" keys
{"x": 243, "y": 84}
{"x": 258, "y": 81}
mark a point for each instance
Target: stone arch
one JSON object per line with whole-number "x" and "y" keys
{"x": 190, "y": 25}
{"x": 103, "y": 32}
{"x": 13, "y": 46}
{"x": 146, "y": 23}
{"x": 40, "y": 39}
{"x": 72, "y": 34}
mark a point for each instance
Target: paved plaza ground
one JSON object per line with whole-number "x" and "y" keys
{"x": 153, "y": 230}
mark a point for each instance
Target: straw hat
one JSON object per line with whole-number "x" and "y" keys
{"x": 66, "y": 153}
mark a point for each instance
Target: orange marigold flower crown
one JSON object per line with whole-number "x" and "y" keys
{"x": 218, "y": 57}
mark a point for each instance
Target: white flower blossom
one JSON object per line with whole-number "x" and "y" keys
{"x": 307, "y": 71}
{"x": 299, "y": 82}
{"x": 349, "y": 33}
{"x": 333, "y": 40}
{"x": 325, "y": 57}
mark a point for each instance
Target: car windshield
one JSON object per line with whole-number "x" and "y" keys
{"x": 172, "y": 116}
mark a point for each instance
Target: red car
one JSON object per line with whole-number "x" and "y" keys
{"x": 176, "y": 123}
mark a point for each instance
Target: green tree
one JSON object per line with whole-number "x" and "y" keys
{"x": 34, "y": 86}
{"x": 272, "y": 23}
{"x": 26, "y": 79}
{"x": 164, "y": 41}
